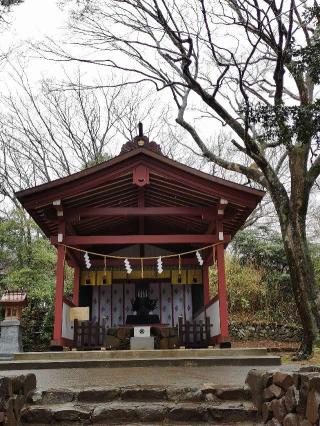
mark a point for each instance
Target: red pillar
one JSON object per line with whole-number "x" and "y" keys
{"x": 206, "y": 289}
{"x": 76, "y": 285}
{"x": 222, "y": 292}
{"x": 57, "y": 328}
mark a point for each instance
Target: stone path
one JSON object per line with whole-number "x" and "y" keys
{"x": 168, "y": 376}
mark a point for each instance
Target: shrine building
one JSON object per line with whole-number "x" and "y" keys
{"x": 140, "y": 226}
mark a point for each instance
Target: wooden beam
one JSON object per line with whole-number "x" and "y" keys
{"x": 139, "y": 239}
{"x": 223, "y": 203}
{"x": 140, "y": 211}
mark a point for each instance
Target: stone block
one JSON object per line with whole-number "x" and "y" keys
{"x": 284, "y": 380}
{"x": 11, "y": 337}
{"x": 5, "y": 388}
{"x": 141, "y": 343}
{"x": 17, "y": 384}
{"x": 234, "y": 394}
{"x": 273, "y": 422}
{"x": 267, "y": 412}
{"x": 305, "y": 422}
{"x": 187, "y": 413}
{"x": 291, "y": 399}
{"x": 279, "y": 409}
{"x": 38, "y": 415}
{"x": 315, "y": 383}
{"x": 10, "y": 418}
{"x": 111, "y": 413}
{"x": 305, "y": 379}
{"x": 143, "y": 394}
{"x": 152, "y": 413}
{"x": 98, "y": 395}
{"x": 18, "y": 403}
{"x": 57, "y": 396}
{"x": 271, "y": 392}
{"x": 29, "y": 383}
{"x": 255, "y": 380}
{"x": 313, "y": 403}
{"x": 75, "y": 414}
{"x": 291, "y": 419}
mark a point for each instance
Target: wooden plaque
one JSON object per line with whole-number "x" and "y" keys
{"x": 81, "y": 314}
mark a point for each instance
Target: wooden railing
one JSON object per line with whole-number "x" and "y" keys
{"x": 194, "y": 334}
{"x": 89, "y": 335}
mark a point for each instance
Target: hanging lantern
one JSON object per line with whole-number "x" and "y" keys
{"x": 200, "y": 260}
{"x": 127, "y": 266}
{"x": 159, "y": 265}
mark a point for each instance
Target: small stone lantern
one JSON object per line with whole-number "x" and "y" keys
{"x": 11, "y": 333}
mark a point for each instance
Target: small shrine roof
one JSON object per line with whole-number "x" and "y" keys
{"x": 13, "y": 297}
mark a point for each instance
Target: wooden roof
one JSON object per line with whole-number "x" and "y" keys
{"x": 110, "y": 184}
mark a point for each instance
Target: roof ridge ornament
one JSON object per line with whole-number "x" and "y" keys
{"x": 141, "y": 141}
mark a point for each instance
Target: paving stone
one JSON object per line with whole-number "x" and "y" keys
{"x": 57, "y": 396}
{"x": 98, "y": 395}
{"x": 37, "y": 415}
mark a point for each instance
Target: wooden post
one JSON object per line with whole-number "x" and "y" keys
{"x": 57, "y": 328}
{"x": 222, "y": 292}
{"x": 76, "y": 285}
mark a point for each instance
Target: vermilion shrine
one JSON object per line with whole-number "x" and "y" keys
{"x": 141, "y": 206}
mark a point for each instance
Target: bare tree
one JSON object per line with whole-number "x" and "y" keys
{"x": 253, "y": 67}
{"x": 64, "y": 127}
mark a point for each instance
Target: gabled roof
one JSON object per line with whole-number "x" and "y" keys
{"x": 110, "y": 184}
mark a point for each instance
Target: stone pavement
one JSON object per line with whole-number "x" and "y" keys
{"x": 79, "y": 378}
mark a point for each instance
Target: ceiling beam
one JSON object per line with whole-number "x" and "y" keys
{"x": 202, "y": 212}
{"x": 80, "y": 240}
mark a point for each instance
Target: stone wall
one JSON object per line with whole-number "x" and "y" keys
{"x": 289, "y": 399}
{"x": 248, "y": 330}
{"x": 14, "y": 392}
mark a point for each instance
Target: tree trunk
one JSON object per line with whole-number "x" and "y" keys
{"x": 303, "y": 282}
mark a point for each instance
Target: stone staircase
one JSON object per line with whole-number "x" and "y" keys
{"x": 141, "y": 405}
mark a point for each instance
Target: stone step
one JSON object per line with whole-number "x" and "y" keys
{"x": 36, "y": 364}
{"x": 123, "y": 412}
{"x": 138, "y": 354}
{"x": 140, "y": 393}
